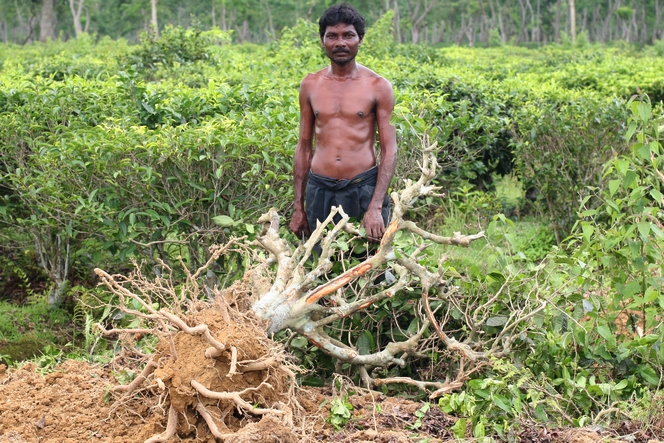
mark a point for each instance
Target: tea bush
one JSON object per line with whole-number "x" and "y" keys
{"x": 220, "y": 110}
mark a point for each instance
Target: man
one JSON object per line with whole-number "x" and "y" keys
{"x": 341, "y": 108}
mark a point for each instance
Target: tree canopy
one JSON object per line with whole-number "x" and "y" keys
{"x": 464, "y": 22}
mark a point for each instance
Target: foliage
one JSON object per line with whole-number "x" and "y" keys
{"x": 624, "y": 234}
{"x": 174, "y": 46}
{"x": 340, "y": 412}
{"x": 562, "y": 152}
{"x": 261, "y": 21}
{"x": 27, "y": 330}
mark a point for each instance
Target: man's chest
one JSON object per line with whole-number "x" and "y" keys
{"x": 340, "y": 100}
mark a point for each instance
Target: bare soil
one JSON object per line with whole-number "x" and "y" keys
{"x": 72, "y": 405}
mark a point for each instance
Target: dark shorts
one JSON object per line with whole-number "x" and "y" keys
{"x": 352, "y": 195}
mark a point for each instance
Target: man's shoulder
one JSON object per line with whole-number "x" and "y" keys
{"x": 310, "y": 81}
{"x": 374, "y": 77}
{"x": 313, "y": 76}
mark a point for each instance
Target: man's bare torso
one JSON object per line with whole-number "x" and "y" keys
{"x": 344, "y": 113}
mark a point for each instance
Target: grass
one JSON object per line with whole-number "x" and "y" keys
{"x": 468, "y": 211}
{"x": 26, "y": 330}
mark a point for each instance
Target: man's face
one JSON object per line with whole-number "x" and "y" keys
{"x": 341, "y": 43}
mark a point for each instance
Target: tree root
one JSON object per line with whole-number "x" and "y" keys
{"x": 204, "y": 355}
{"x": 200, "y": 408}
{"x": 236, "y": 398}
{"x": 138, "y": 381}
{"x": 171, "y": 428}
{"x": 201, "y": 329}
{"x": 295, "y": 300}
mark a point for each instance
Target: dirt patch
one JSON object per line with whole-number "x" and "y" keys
{"x": 65, "y": 406}
{"x": 72, "y": 405}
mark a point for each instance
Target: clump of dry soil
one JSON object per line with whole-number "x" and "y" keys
{"x": 69, "y": 406}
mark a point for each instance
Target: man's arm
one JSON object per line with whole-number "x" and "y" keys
{"x": 373, "y": 220}
{"x": 302, "y": 162}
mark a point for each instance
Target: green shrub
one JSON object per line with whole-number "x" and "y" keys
{"x": 618, "y": 247}
{"x": 175, "y": 45}
{"x": 562, "y": 150}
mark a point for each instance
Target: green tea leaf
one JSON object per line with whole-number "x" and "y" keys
{"x": 223, "y": 220}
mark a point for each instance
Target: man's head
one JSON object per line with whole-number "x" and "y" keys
{"x": 341, "y": 13}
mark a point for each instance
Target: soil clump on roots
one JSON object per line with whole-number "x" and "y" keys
{"x": 215, "y": 374}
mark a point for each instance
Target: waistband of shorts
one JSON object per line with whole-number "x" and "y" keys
{"x": 367, "y": 177}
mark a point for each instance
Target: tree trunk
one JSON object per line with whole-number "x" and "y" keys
{"x": 416, "y": 18}
{"x": 539, "y": 21}
{"x": 656, "y": 32}
{"x": 47, "y": 23}
{"x": 22, "y": 25}
{"x": 462, "y": 29}
{"x": 584, "y": 21}
{"x": 484, "y": 32}
{"x": 641, "y": 31}
{"x": 556, "y": 23}
{"x": 224, "y": 24}
{"x": 243, "y": 33}
{"x": 501, "y": 22}
{"x": 494, "y": 18}
{"x": 441, "y": 33}
{"x": 269, "y": 19}
{"x": 397, "y": 21}
{"x": 595, "y": 27}
{"x": 572, "y": 20}
{"x": 533, "y": 26}
{"x": 523, "y": 33}
{"x": 470, "y": 32}
{"x": 414, "y": 35}
{"x": 54, "y": 254}
{"x": 607, "y": 29}
{"x": 154, "y": 23}
{"x": 76, "y": 8}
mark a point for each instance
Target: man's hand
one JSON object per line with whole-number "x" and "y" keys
{"x": 299, "y": 224}
{"x": 373, "y": 223}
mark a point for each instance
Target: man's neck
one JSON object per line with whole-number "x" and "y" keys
{"x": 342, "y": 72}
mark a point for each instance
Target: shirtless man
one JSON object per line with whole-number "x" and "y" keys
{"x": 341, "y": 107}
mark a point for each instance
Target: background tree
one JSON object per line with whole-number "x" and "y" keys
{"x": 153, "y": 22}
{"x": 47, "y": 22}
{"x": 461, "y": 22}
{"x": 76, "y": 7}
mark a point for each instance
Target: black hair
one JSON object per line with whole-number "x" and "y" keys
{"x": 341, "y": 13}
